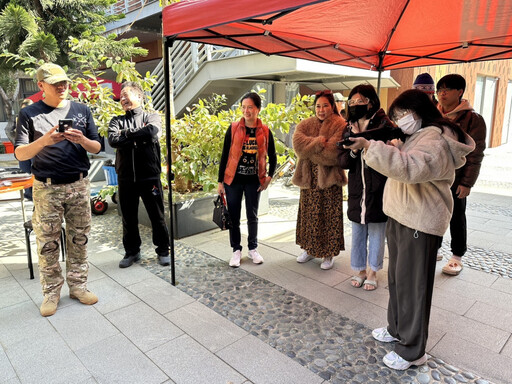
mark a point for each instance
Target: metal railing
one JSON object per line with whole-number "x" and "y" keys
{"x": 187, "y": 59}
{"x": 126, "y": 6}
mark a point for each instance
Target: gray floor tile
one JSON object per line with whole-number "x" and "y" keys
{"x": 488, "y": 337}
{"x": 159, "y": 294}
{"x": 12, "y": 381}
{"x": 185, "y": 361}
{"x": 144, "y": 326}
{"x": 81, "y": 325}
{"x": 6, "y": 370}
{"x": 312, "y": 270}
{"x": 478, "y": 292}
{"x": 104, "y": 257}
{"x": 452, "y": 301}
{"x": 496, "y": 317}
{"x": 22, "y": 322}
{"x": 94, "y": 273}
{"x": 11, "y": 292}
{"x": 50, "y": 361}
{"x": 111, "y": 295}
{"x": 476, "y": 277}
{"x": 503, "y": 285}
{"x": 466, "y": 355}
{"x": 210, "y": 329}
{"x": 4, "y": 272}
{"x": 264, "y": 364}
{"x": 117, "y": 360}
{"x": 379, "y": 296}
{"x": 507, "y": 349}
{"x": 125, "y": 276}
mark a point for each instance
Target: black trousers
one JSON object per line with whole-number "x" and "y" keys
{"x": 150, "y": 191}
{"x": 458, "y": 225}
{"x": 412, "y": 265}
{"x": 234, "y": 195}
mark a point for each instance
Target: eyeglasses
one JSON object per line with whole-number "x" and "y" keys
{"x": 399, "y": 113}
{"x": 324, "y": 92}
{"x": 358, "y": 101}
{"x": 444, "y": 90}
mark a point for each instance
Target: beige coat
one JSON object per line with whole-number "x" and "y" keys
{"x": 315, "y": 142}
{"x": 420, "y": 172}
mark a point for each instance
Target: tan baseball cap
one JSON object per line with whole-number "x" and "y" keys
{"x": 51, "y": 73}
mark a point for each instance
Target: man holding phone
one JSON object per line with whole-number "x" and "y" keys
{"x": 61, "y": 188}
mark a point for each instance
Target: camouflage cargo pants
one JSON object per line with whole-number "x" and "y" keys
{"x": 52, "y": 205}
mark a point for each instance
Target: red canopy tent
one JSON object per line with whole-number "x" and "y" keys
{"x": 369, "y": 34}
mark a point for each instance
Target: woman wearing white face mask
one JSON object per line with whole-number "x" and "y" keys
{"x": 418, "y": 202}
{"x": 365, "y": 189}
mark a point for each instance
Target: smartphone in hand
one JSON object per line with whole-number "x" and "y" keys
{"x": 65, "y": 124}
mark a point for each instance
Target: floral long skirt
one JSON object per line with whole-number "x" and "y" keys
{"x": 320, "y": 220}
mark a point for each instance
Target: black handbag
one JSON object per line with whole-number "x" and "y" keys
{"x": 220, "y": 213}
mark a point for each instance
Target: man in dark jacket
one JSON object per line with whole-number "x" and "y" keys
{"x": 450, "y": 89}
{"x": 138, "y": 165}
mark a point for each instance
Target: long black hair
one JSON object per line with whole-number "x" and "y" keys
{"x": 419, "y": 102}
{"x": 368, "y": 91}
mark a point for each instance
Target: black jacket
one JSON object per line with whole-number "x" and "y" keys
{"x": 135, "y": 136}
{"x": 365, "y": 185}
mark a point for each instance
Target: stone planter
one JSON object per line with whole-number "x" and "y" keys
{"x": 192, "y": 213}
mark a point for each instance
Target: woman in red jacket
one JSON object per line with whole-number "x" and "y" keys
{"x": 243, "y": 172}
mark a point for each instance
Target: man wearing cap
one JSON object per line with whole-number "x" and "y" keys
{"x": 450, "y": 89}
{"x": 61, "y": 187}
{"x": 339, "y": 100}
{"x": 425, "y": 83}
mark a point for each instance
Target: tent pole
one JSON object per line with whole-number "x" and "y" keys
{"x": 170, "y": 175}
{"x": 378, "y": 82}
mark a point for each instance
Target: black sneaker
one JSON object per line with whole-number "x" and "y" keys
{"x": 129, "y": 260}
{"x": 164, "y": 260}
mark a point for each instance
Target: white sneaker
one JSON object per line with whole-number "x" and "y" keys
{"x": 328, "y": 263}
{"x": 382, "y": 335}
{"x": 235, "y": 260}
{"x": 304, "y": 257}
{"x": 395, "y": 361}
{"x": 255, "y": 256}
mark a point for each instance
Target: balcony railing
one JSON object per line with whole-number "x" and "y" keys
{"x": 187, "y": 59}
{"x": 126, "y": 6}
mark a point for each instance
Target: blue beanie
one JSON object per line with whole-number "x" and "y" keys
{"x": 425, "y": 83}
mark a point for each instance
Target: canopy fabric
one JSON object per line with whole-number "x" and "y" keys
{"x": 368, "y": 34}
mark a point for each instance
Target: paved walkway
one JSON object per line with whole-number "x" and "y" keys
{"x": 280, "y": 322}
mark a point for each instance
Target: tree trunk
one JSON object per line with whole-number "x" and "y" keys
{"x": 9, "y": 112}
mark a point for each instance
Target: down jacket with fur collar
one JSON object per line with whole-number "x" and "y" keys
{"x": 314, "y": 142}
{"x": 420, "y": 172}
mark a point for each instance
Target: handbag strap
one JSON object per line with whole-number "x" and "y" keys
{"x": 223, "y": 197}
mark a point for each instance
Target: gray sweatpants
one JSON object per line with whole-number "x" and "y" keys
{"x": 412, "y": 265}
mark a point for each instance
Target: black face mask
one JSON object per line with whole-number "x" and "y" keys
{"x": 357, "y": 111}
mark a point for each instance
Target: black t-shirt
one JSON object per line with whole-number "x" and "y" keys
{"x": 62, "y": 159}
{"x": 247, "y": 171}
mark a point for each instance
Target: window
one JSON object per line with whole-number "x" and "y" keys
{"x": 507, "y": 118}
{"x": 485, "y": 95}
